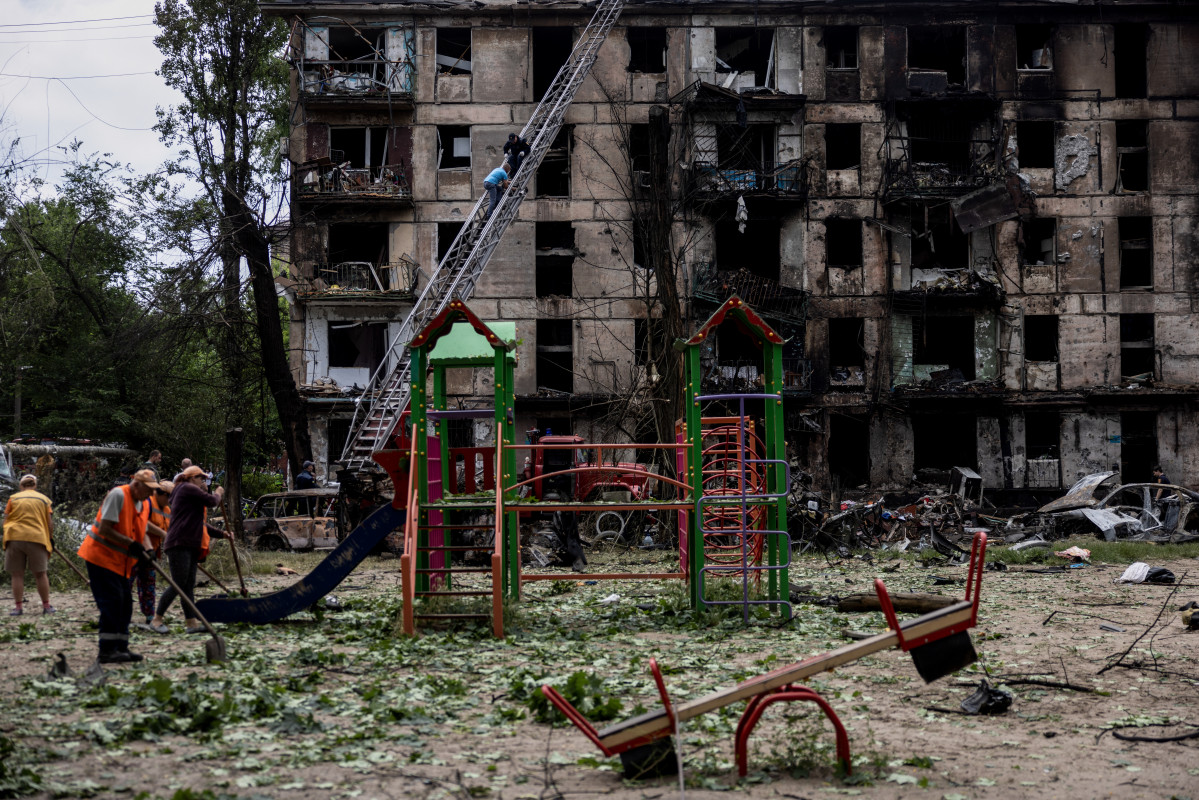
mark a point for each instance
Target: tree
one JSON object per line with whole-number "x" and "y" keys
{"x": 221, "y": 55}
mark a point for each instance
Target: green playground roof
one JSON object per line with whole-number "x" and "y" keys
{"x": 463, "y": 346}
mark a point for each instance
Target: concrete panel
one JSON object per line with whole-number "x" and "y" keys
{"x": 609, "y": 75}
{"x": 703, "y": 53}
{"x": 1177, "y": 339}
{"x": 870, "y": 52}
{"x": 453, "y": 88}
{"x": 1177, "y": 267}
{"x": 1173, "y": 166}
{"x": 502, "y": 56}
{"x": 1178, "y": 444}
{"x": 990, "y": 434}
{"x": 1089, "y": 350}
{"x": 1173, "y": 66}
{"x": 1078, "y": 58}
{"x": 844, "y": 183}
{"x": 1090, "y": 443}
{"x": 1005, "y": 59}
{"x": 1076, "y": 158}
{"x": 980, "y": 58}
{"x": 510, "y": 271}
{"x": 791, "y": 252}
{"x": 814, "y": 136}
{"x": 454, "y": 184}
{"x": 986, "y": 343}
{"x": 891, "y": 455}
{"x": 1080, "y": 254}
{"x": 872, "y": 163}
{"x": 813, "y": 63}
{"x": 426, "y": 65}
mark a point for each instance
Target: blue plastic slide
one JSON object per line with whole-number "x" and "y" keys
{"x": 313, "y": 586}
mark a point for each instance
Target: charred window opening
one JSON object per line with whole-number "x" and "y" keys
{"x": 1137, "y": 357}
{"x": 841, "y": 47}
{"x": 944, "y": 343}
{"x": 358, "y": 241}
{"x": 551, "y": 49}
{"x": 748, "y": 147}
{"x": 1034, "y": 45}
{"x": 849, "y": 449}
{"x": 934, "y": 138}
{"x": 639, "y": 158}
{"x": 555, "y": 242}
{"x": 940, "y": 48}
{"x": 843, "y": 243}
{"x": 363, "y": 44}
{"x": 648, "y": 337}
{"x": 757, "y": 250}
{"x": 647, "y": 49}
{"x": 1138, "y": 445}
{"x": 1130, "y": 51}
{"x": 1136, "y": 252}
{"x": 846, "y": 342}
{"x": 1042, "y": 434}
{"x": 1035, "y": 144}
{"x": 1039, "y": 235}
{"x": 361, "y": 147}
{"x": 446, "y": 231}
{"x": 944, "y": 441}
{"x": 843, "y": 145}
{"x": 937, "y": 242}
{"x": 357, "y": 344}
{"x": 735, "y": 347}
{"x": 337, "y": 433}
{"x": 748, "y": 53}
{"x": 553, "y": 176}
{"x": 640, "y": 245}
{"x": 1132, "y": 149}
{"x": 1040, "y": 337}
{"x": 453, "y": 146}
{"x": 453, "y": 51}
{"x": 555, "y": 355}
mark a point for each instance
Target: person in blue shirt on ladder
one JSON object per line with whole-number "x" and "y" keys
{"x": 495, "y": 183}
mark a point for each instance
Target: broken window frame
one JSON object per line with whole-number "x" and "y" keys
{"x": 554, "y": 259}
{"x": 1028, "y": 35}
{"x": 324, "y": 70}
{"x": 1136, "y": 348}
{"x": 1132, "y": 153}
{"x": 1033, "y": 229}
{"x": 364, "y": 358}
{"x": 835, "y": 51}
{"x": 727, "y": 74}
{"x": 447, "y": 63}
{"x": 558, "y": 156}
{"x": 956, "y": 76}
{"x": 444, "y": 132}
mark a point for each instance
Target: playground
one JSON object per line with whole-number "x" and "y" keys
{"x": 341, "y": 706}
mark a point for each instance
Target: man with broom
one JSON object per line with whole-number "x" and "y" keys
{"x": 113, "y": 546}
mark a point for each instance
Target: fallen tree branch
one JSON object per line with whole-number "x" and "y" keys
{"x": 1152, "y": 625}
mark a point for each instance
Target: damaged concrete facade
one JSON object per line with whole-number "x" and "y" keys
{"x": 977, "y": 226}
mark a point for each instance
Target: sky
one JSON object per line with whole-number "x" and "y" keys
{"x": 72, "y": 41}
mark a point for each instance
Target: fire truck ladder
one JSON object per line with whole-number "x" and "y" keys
{"x": 386, "y": 395}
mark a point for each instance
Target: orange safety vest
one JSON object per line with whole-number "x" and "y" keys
{"x": 160, "y": 516}
{"x": 109, "y": 555}
{"x": 205, "y": 539}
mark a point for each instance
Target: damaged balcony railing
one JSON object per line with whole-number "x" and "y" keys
{"x": 745, "y": 376}
{"x": 785, "y": 178}
{"x": 765, "y": 295}
{"x": 357, "y": 77}
{"x": 360, "y": 278}
{"x": 340, "y": 181}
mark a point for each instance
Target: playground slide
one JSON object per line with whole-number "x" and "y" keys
{"x": 313, "y": 586}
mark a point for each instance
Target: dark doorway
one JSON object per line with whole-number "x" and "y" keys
{"x": 943, "y": 441}
{"x": 849, "y": 449}
{"x": 358, "y": 241}
{"x": 1131, "y": 62}
{"x": 555, "y": 355}
{"x": 1042, "y": 434}
{"x": 756, "y": 250}
{"x": 551, "y": 49}
{"x": 941, "y": 48}
{"x": 1138, "y": 445}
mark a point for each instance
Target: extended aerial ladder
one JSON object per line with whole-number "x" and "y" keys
{"x": 387, "y": 393}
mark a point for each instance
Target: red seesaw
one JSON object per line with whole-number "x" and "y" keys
{"x": 938, "y": 642}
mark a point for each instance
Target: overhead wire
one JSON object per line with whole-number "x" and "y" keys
{"x": 75, "y": 21}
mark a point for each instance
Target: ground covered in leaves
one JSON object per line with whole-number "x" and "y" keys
{"x": 340, "y": 706}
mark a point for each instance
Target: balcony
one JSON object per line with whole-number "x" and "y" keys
{"x": 328, "y": 183}
{"x": 745, "y": 377}
{"x": 357, "y": 83}
{"x": 388, "y": 281}
{"x": 764, "y": 295}
{"x": 709, "y": 180}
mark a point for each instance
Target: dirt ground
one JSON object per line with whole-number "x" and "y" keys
{"x": 342, "y": 707}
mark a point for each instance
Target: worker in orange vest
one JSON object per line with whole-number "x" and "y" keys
{"x": 115, "y": 544}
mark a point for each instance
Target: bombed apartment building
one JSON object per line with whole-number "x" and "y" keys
{"x": 974, "y": 223}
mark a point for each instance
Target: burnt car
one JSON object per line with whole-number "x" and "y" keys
{"x": 1130, "y": 511}
{"x": 304, "y": 519}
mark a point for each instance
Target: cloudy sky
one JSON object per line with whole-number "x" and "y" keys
{"x": 54, "y": 56}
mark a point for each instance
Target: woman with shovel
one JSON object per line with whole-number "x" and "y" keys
{"x": 189, "y": 513}
{"x": 112, "y": 548}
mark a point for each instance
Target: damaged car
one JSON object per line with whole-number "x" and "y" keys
{"x": 304, "y": 519}
{"x": 1129, "y": 511}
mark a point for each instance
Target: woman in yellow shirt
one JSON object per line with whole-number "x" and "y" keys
{"x": 27, "y": 543}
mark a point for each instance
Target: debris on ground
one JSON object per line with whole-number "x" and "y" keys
{"x": 987, "y": 700}
{"x": 1140, "y": 572}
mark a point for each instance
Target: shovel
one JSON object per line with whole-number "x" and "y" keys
{"x": 214, "y": 648}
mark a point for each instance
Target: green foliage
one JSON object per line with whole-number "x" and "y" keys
{"x": 585, "y": 691}
{"x": 16, "y": 779}
{"x": 256, "y": 484}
